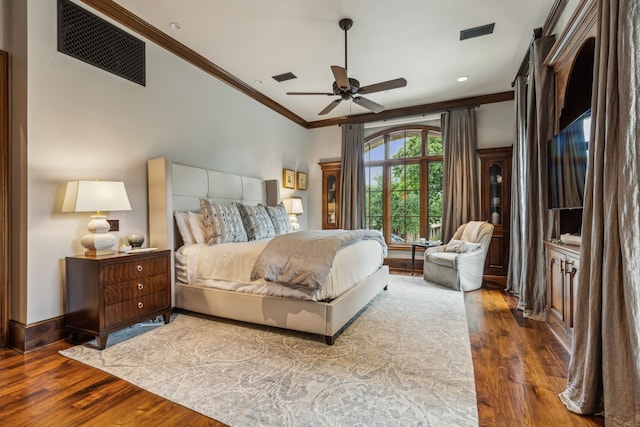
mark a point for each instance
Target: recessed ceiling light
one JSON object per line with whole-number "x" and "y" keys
{"x": 463, "y": 78}
{"x": 175, "y": 26}
{"x": 258, "y": 82}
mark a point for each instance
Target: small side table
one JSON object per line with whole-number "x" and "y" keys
{"x": 413, "y": 252}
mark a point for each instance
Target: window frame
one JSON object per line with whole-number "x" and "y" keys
{"x": 387, "y": 165}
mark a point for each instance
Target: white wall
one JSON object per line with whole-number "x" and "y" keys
{"x": 85, "y": 123}
{"x": 325, "y": 144}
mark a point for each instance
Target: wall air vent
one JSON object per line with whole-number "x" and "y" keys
{"x": 284, "y": 77}
{"x": 93, "y": 40}
{"x": 482, "y": 30}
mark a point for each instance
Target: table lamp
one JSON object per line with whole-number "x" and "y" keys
{"x": 96, "y": 196}
{"x": 293, "y": 206}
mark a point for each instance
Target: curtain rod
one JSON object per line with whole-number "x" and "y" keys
{"x": 524, "y": 65}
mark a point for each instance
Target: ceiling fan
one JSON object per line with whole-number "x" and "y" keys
{"x": 348, "y": 88}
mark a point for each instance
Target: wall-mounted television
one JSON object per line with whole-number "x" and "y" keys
{"x": 567, "y": 159}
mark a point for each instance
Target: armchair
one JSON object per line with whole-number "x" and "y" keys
{"x": 460, "y": 263}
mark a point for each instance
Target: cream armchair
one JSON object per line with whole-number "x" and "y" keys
{"x": 460, "y": 263}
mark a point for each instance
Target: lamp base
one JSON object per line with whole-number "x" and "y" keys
{"x": 99, "y": 242}
{"x": 99, "y": 252}
{"x": 293, "y": 220}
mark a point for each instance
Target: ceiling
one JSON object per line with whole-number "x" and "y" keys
{"x": 419, "y": 40}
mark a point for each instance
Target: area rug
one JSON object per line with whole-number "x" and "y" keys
{"x": 405, "y": 360}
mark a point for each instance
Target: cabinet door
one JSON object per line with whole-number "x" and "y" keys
{"x": 572, "y": 268}
{"x": 556, "y": 285}
{"x": 330, "y": 195}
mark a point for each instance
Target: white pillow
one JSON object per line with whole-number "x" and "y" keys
{"x": 182, "y": 222}
{"x": 460, "y": 246}
{"x": 196, "y": 224}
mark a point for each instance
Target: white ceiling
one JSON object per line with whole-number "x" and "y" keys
{"x": 415, "y": 39}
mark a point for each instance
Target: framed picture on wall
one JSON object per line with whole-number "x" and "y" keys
{"x": 288, "y": 178}
{"x": 301, "y": 181}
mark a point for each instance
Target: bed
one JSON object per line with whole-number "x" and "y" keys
{"x": 175, "y": 188}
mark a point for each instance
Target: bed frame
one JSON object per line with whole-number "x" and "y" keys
{"x": 173, "y": 187}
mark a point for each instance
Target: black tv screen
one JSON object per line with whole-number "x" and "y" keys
{"x": 567, "y": 157}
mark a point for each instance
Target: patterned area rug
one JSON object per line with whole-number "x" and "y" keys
{"x": 405, "y": 361}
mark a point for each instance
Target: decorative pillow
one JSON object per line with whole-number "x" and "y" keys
{"x": 256, "y": 221}
{"x": 182, "y": 222}
{"x": 222, "y": 223}
{"x": 279, "y": 217}
{"x": 460, "y": 246}
{"x": 196, "y": 225}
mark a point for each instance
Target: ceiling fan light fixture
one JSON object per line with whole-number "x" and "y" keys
{"x": 349, "y": 89}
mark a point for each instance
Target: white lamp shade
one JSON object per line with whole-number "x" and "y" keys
{"x": 95, "y": 196}
{"x": 293, "y": 206}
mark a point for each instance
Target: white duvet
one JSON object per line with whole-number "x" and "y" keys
{"x": 228, "y": 266}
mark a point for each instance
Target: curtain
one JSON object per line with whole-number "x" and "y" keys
{"x": 516, "y": 242}
{"x": 460, "y": 202}
{"x": 535, "y": 215}
{"x": 604, "y": 372}
{"x": 352, "y": 196}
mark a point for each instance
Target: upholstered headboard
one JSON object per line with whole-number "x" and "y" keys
{"x": 174, "y": 187}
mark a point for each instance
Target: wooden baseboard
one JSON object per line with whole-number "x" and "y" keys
{"x": 26, "y": 338}
{"x": 403, "y": 266}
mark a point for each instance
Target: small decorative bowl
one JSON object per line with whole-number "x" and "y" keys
{"x": 135, "y": 240}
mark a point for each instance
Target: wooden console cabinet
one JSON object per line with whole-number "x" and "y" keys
{"x": 330, "y": 195}
{"x": 563, "y": 263}
{"x": 105, "y": 294}
{"x": 495, "y": 207}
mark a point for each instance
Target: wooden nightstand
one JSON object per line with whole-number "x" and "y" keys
{"x": 105, "y": 294}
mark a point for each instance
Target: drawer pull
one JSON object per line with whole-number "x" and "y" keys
{"x": 140, "y": 305}
{"x": 140, "y": 286}
{"x": 139, "y": 268}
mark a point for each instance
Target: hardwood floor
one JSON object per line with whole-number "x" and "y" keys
{"x": 519, "y": 367}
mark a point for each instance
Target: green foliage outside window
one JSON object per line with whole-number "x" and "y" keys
{"x": 405, "y": 186}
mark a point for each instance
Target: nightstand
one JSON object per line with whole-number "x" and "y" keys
{"x": 108, "y": 293}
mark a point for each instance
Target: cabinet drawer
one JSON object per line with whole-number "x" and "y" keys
{"x": 135, "y": 269}
{"x": 135, "y": 308}
{"x": 120, "y": 292}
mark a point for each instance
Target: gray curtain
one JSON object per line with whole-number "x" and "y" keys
{"x": 517, "y": 240}
{"x": 535, "y": 215}
{"x": 352, "y": 195}
{"x": 604, "y": 372}
{"x": 460, "y": 202}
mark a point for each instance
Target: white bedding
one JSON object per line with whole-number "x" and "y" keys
{"x": 228, "y": 266}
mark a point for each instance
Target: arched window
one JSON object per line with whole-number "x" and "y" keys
{"x": 403, "y": 171}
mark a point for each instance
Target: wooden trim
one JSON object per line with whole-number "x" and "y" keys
{"x": 582, "y": 25}
{"x": 5, "y": 252}
{"x": 403, "y": 265}
{"x": 554, "y": 16}
{"x": 26, "y": 338}
{"x": 136, "y": 24}
{"x": 416, "y": 110}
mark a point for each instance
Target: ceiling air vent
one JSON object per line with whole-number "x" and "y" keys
{"x": 482, "y": 30}
{"x": 284, "y": 77}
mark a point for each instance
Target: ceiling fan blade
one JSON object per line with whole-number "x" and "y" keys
{"x": 340, "y": 74}
{"x": 378, "y": 87}
{"x": 330, "y": 107}
{"x": 311, "y": 93}
{"x": 368, "y": 104}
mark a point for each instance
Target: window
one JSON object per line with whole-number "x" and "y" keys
{"x": 403, "y": 172}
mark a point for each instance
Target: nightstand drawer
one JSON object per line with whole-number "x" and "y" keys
{"x": 120, "y": 292}
{"x": 134, "y": 269}
{"x": 135, "y": 308}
